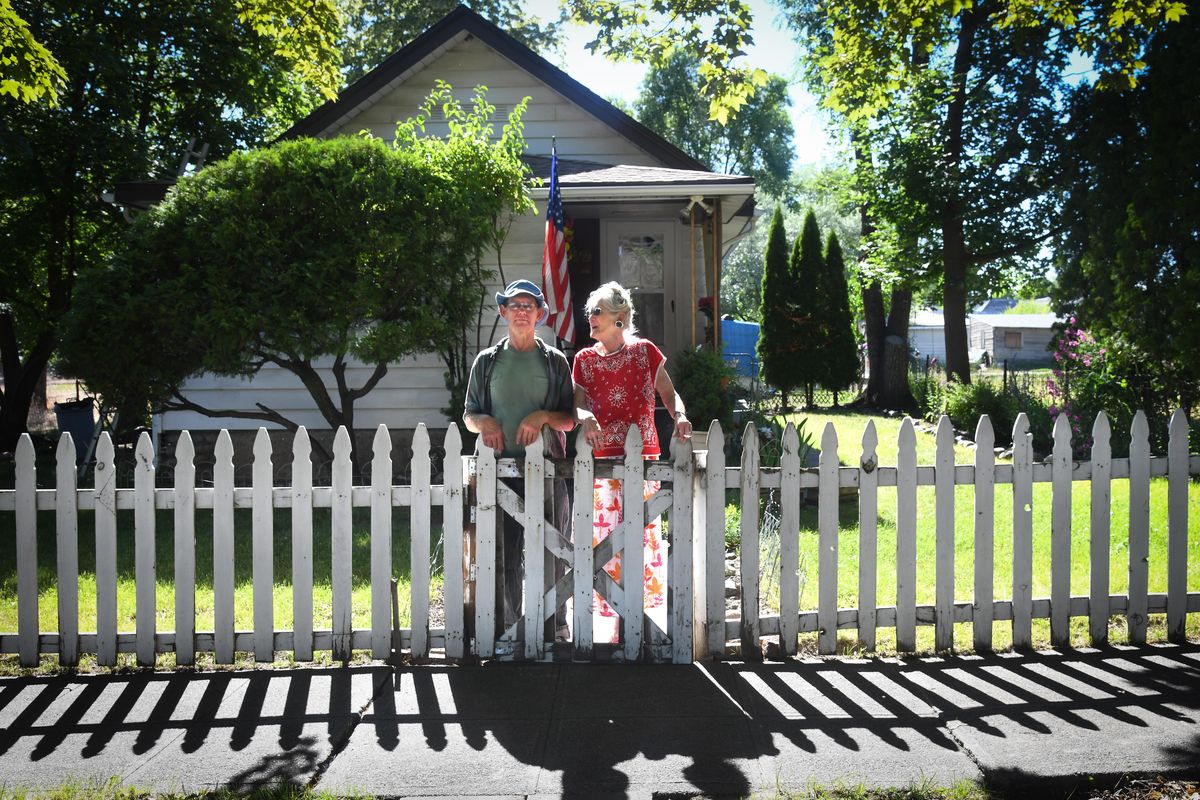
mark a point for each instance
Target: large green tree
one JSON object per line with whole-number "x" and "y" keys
{"x": 1129, "y": 266}
{"x": 141, "y": 79}
{"x": 777, "y": 336}
{"x": 809, "y": 308}
{"x": 840, "y": 363}
{"x": 374, "y": 29}
{"x": 28, "y": 71}
{"x": 757, "y": 142}
{"x": 221, "y": 277}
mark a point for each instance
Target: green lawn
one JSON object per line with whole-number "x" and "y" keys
{"x": 849, "y": 427}
{"x": 243, "y": 587}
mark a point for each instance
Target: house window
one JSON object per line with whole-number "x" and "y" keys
{"x": 1012, "y": 340}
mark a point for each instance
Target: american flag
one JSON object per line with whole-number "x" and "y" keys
{"x": 556, "y": 281}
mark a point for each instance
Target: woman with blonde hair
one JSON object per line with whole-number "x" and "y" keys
{"x": 615, "y": 382}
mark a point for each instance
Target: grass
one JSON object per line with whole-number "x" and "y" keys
{"x": 849, "y": 427}
{"x": 243, "y": 587}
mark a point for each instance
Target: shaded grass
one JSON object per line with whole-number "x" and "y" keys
{"x": 114, "y": 790}
{"x": 849, "y": 427}
{"x": 243, "y": 585}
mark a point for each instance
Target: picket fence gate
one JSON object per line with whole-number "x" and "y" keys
{"x": 692, "y": 490}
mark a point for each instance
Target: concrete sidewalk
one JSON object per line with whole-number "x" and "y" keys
{"x": 1036, "y": 721}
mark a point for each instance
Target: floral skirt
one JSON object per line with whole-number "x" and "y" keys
{"x": 607, "y": 518}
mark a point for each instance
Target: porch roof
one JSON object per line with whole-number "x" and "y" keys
{"x": 573, "y": 172}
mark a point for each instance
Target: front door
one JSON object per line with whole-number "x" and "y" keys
{"x": 640, "y": 256}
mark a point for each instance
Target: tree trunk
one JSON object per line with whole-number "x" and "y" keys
{"x": 894, "y": 390}
{"x": 20, "y": 380}
{"x": 954, "y": 251}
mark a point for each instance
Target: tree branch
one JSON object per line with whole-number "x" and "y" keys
{"x": 181, "y": 403}
{"x": 975, "y": 259}
{"x": 380, "y": 370}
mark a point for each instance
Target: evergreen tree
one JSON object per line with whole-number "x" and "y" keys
{"x": 777, "y": 338}
{"x": 808, "y": 303}
{"x": 841, "y": 349}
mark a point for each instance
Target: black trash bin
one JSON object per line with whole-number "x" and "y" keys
{"x": 76, "y": 417}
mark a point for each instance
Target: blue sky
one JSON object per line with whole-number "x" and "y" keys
{"x": 773, "y": 50}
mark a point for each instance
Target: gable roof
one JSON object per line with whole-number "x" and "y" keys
{"x": 1043, "y": 321}
{"x": 463, "y": 20}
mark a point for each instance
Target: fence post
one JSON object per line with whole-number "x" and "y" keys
{"x": 66, "y": 523}
{"x": 827, "y": 536}
{"x": 223, "y": 636}
{"x": 868, "y": 507}
{"x": 302, "y": 547}
{"x": 185, "y": 550}
{"x": 982, "y": 610}
{"x": 341, "y": 544}
{"x": 583, "y": 564}
{"x": 1100, "y": 534}
{"x": 535, "y": 548}
{"x": 1060, "y": 535}
{"x": 1022, "y": 535}
{"x": 751, "y": 649}
{"x": 485, "y": 549}
{"x": 906, "y": 537}
{"x": 263, "y": 547}
{"x": 714, "y": 542}
{"x": 1177, "y": 527}
{"x": 452, "y": 541}
{"x": 381, "y": 544}
{"x": 633, "y": 526}
{"x": 143, "y": 533}
{"x": 943, "y": 629}
{"x": 1139, "y": 526}
{"x": 681, "y": 553}
{"x": 105, "y": 476}
{"x": 418, "y": 540}
{"x": 789, "y": 541}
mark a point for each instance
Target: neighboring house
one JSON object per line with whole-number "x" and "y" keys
{"x": 927, "y": 335}
{"x": 626, "y": 189}
{"x": 1017, "y": 338}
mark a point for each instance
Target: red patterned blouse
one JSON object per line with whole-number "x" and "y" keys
{"x": 620, "y": 392}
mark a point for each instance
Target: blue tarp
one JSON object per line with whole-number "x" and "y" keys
{"x": 739, "y": 346}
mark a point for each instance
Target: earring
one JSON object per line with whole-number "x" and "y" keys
{"x": 619, "y": 324}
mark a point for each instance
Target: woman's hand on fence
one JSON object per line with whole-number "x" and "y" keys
{"x": 683, "y": 427}
{"x": 531, "y": 428}
{"x": 591, "y": 430}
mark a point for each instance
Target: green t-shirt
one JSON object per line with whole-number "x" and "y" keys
{"x": 519, "y": 387}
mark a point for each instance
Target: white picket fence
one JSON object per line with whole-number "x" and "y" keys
{"x": 692, "y": 493}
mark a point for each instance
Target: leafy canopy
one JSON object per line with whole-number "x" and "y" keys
{"x": 757, "y": 142}
{"x": 309, "y": 248}
{"x": 28, "y": 71}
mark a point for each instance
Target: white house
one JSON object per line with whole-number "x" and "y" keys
{"x": 1018, "y": 338}
{"x": 927, "y": 334}
{"x": 626, "y": 189}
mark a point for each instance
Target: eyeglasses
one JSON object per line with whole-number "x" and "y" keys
{"x": 595, "y": 312}
{"x": 522, "y": 306}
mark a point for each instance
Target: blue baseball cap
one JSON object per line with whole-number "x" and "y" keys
{"x": 524, "y": 287}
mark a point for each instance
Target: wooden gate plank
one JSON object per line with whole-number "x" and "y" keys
{"x": 485, "y": 550}
{"x": 583, "y": 565}
{"x": 633, "y": 527}
{"x": 535, "y": 545}
{"x": 680, "y": 557}
{"x": 25, "y": 483}
{"x": 262, "y": 516}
